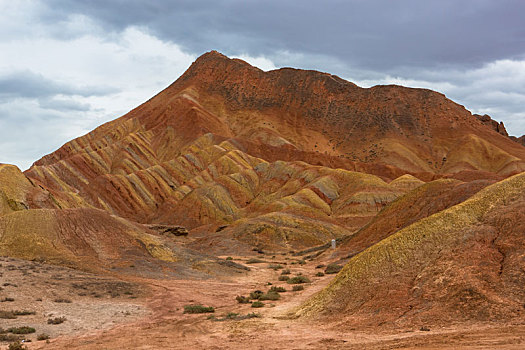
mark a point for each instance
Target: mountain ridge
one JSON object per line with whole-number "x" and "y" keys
{"x": 197, "y": 148}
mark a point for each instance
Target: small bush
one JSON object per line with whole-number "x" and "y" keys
{"x": 319, "y": 274}
{"x": 275, "y": 266}
{"x": 333, "y": 268}
{"x": 23, "y": 312}
{"x": 301, "y": 262}
{"x": 242, "y": 299}
{"x": 298, "y": 280}
{"x": 16, "y": 346}
{"x": 257, "y": 304}
{"x": 285, "y": 272}
{"x": 283, "y": 278}
{"x": 297, "y": 288}
{"x": 8, "y": 337}
{"x": 278, "y": 289}
{"x": 7, "y": 299}
{"x": 42, "y": 336}
{"x": 229, "y": 258}
{"x": 21, "y": 330}
{"x": 56, "y": 320}
{"x": 320, "y": 266}
{"x": 8, "y": 315}
{"x": 271, "y": 295}
{"x": 62, "y": 300}
{"x": 256, "y": 294}
{"x": 198, "y": 309}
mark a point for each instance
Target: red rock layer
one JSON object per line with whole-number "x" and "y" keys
{"x": 193, "y": 153}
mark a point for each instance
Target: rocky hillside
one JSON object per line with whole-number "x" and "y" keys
{"x": 271, "y": 153}
{"x": 463, "y": 263}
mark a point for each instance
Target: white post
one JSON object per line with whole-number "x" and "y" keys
{"x": 333, "y": 243}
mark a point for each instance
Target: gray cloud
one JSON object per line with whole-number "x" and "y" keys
{"x": 63, "y": 105}
{"x": 379, "y": 35}
{"x": 27, "y": 84}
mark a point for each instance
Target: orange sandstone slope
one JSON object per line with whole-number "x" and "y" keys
{"x": 229, "y": 142}
{"x": 33, "y": 226}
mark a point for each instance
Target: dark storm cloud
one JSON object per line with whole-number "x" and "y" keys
{"x": 379, "y": 35}
{"x": 31, "y": 85}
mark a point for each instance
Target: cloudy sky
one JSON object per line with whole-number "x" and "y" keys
{"x": 68, "y": 66}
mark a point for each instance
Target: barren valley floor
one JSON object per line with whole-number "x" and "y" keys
{"x": 140, "y": 313}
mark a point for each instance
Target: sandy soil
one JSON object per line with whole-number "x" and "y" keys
{"x": 156, "y": 320}
{"x": 86, "y": 301}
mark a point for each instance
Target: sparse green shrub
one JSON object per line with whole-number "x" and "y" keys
{"x": 231, "y": 315}
{"x": 56, "y": 320}
{"x": 319, "y": 274}
{"x": 23, "y": 312}
{"x": 21, "y": 330}
{"x": 298, "y": 280}
{"x": 229, "y": 258}
{"x": 297, "y": 288}
{"x": 242, "y": 299}
{"x": 257, "y": 304}
{"x": 8, "y": 315}
{"x": 278, "y": 289}
{"x": 197, "y": 309}
{"x": 16, "y": 346}
{"x": 271, "y": 295}
{"x": 275, "y": 266}
{"x": 62, "y": 300}
{"x": 42, "y": 336}
{"x": 285, "y": 272}
{"x": 256, "y": 294}
{"x": 320, "y": 266}
{"x": 7, "y": 299}
{"x": 8, "y": 337}
{"x": 301, "y": 262}
{"x": 283, "y": 278}
{"x": 333, "y": 268}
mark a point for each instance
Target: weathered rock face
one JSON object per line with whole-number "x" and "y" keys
{"x": 520, "y": 140}
{"x": 494, "y": 125}
{"x": 229, "y": 144}
{"x": 17, "y": 192}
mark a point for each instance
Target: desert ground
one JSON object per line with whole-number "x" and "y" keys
{"x": 138, "y": 313}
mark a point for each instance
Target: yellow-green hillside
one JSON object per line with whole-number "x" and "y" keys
{"x": 462, "y": 254}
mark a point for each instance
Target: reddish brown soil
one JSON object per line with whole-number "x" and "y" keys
{"x": 168, "y": 328}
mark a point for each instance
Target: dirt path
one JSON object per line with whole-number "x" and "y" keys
{"x": 168, "y": 328}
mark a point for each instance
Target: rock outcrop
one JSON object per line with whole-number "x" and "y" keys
{"x": 491, "y": 123}
{"x": 520, "y": 140}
